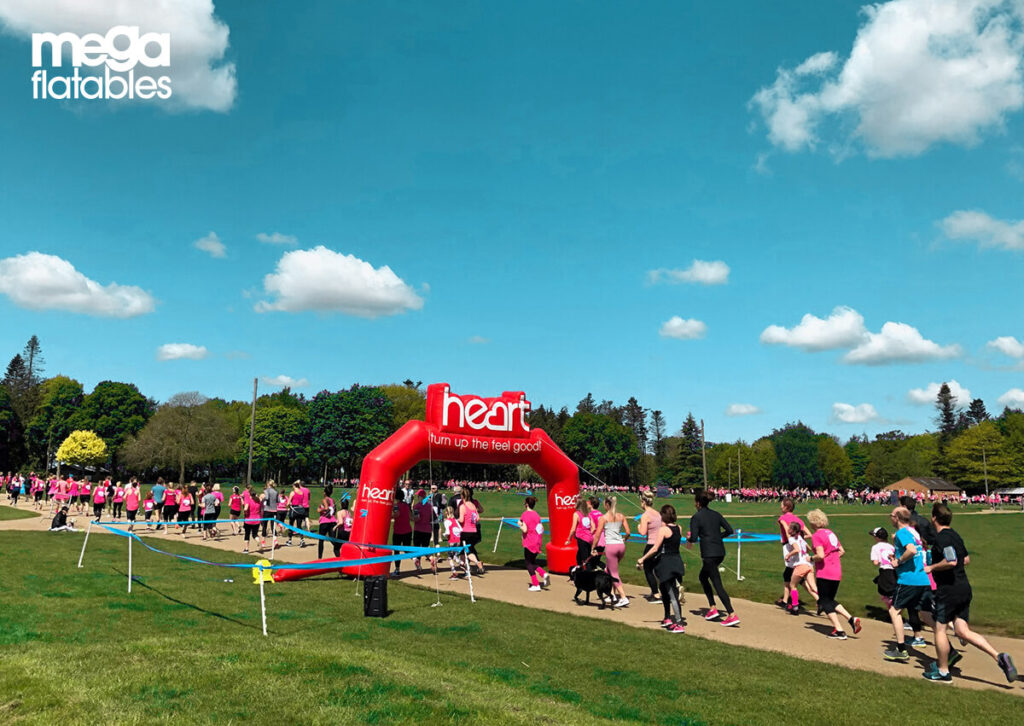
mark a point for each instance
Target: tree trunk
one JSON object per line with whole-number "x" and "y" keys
{"x": 181, "y": 470}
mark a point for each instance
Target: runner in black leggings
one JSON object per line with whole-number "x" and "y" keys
{"x": 708, "y": 526}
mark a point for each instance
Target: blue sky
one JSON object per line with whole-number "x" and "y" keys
{"x": 521, "y": 170}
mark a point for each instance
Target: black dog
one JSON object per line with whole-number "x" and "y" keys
{"x": 592, "y": 577}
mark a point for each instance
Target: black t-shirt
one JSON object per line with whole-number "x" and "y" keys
{"x": 949, "y": 547}
{"x": 924, "y": 528}
{"x": 708, "y": 526}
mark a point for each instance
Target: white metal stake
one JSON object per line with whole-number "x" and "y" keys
{"x": 500, "y": 523}
{"x": 87, "y": 530}
{"x": 739, "y": 552}
{"x": 469, "y": 575}
{"x": 129, "y": 565}
{"x": 263, "y": 602}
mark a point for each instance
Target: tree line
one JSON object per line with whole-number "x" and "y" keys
{"x": 325, "y": 437}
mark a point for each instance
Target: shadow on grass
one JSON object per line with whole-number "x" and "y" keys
{"x": 197, "y": 608}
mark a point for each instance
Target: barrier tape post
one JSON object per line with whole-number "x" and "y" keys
{"x": 469, "y": 573}
{"x": 500, "y": 523}
{"x": 87, "y": 530}
{"x": 739, "y": 552}
{"x": 130, "y": 565}
{"x": 263, "y": 602}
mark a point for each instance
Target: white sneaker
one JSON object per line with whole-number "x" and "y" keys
{"x": 534, "y": 588}
{"x": 547, "y": 579}
{"x": 622, "y": 603}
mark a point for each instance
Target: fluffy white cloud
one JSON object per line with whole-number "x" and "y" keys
{"x": 328, "y": 281}
{"x": 1014, "y": 398}
{"x": 479, "y": 339}
{"x": 212, "y": 245}
{"x": 676, "y": 327}
{"x": 46, "y": 282}
{"x": 898, "y": 343}
{"x": 920, "y": 72}
{"x": 701, "y": 271}
{"x": 177, "y": 351}
{"x": 741, "y": 409}
{"x": 276, "y": 238}
{"x": 284, "y": 381}
{"x": 200, "y": 77}
{"x": 861, "y": 413}
{"x": 844, "y": 328}
{"x": 926, "y": 396}
{"x": 1008, "y": 345}
{"x": 976, "y": 226}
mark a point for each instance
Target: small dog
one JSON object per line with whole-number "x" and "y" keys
{"x": 592, "y": 577}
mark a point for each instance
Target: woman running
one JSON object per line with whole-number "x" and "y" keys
{"x": 533, "y": 530}
{"x": 234, "y": 509}
{"x": 649, "y": 527}
{"x": 798, "y": 561}
{"x": 668, "y": 567}
{"x": 402, "y": 534}
{"x": 708, "y": 526}
{"x": 131, "y": 503}
{"x": 170, "y": 507}
{"x": 99, "y": 498}
{"x": 185, "y": 505}
{"x": 76, "y": 495}
{"x": 342, "y": 527}
{"x": 583, "y": 529}
{"x": 828, "y": 572}
{"x": 251, "y": 523}
{"x": 328, "y": 519}
{"x": 118, "y": 500}
{"x": 423, "y": 515}
{"x": 469, "y": 520}
{"x": 614, "y": 527}
{"x": 453, "y": 535}
{"x": 148, "y": 505}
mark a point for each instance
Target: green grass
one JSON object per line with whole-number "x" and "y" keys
{"x": 994, "y": 541}
{"x": 185, "y": 646}
{"x": 7, "y": 513}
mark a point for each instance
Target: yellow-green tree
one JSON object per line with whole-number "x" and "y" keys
{"x": 82, "y": 448}
{"x": 977, "y": 457}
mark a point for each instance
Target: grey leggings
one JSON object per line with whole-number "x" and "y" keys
{"x": 670, "y": 599}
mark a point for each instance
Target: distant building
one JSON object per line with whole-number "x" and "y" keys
{"x": 930, "y": 485}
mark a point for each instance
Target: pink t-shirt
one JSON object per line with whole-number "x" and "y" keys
{"x": 534, "y": 529}
{"x": 253, "y": 510}
{"x": 119, "y": 495}
{"x": 131, "y": 500}
{"x": 784, "y": 521}
{"x": 327, "y": 514}
{"x": 424, "y": 514}
{"x": 304, "y": 492}
{"x": 185, "y": 505}
{"x": 148, "y": 504}
{"x": 830, "y": 568}
{"x": 99, "y": 495}
{"x": 403, "y": 525}
{"x": 469, "y": 517}
{"x": 219, "y": 496}
{"x": 583, "y": 532}
{"x": 73, "y": 488}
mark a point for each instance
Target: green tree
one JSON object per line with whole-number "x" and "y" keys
{"x": 976, "y": 412}
{"x": 114, "y": 411}
{"x": 20, "y": 388}
{"x": 11, "y": 439}
{"x": 758, "y": 467}
{"x": 1011, "y": 426}
{"x": 634, "y": 417}
{"x": 689, "y": 470}
{"x": 281, "y": 439}
{"x": 408, "y": 403}
{"x": 345, "y": 426}
{"x": 587, "y": 405}
{"x": 978, "y": 455}
{"x": 946, "y": 419}
{"x": 603, "y": 447}
{"x": 859, "y": 454}
{"x": 658, "y": 440}
{"x": 60, "y": 399}
{"x": 796, "y": 457}
{"x": 186, "y": 431}
{"x": 836, "y": 467}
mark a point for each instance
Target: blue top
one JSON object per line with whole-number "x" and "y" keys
{"x": 911, "y": 572}
{"x": 158, "y": 493}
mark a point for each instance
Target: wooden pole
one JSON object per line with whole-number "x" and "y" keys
{"x": 252, "y": 430}
{"x": 703, "y": 455}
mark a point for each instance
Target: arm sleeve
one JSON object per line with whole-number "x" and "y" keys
{"x": 726, "y": 527}
{"x": 694, "y": 529}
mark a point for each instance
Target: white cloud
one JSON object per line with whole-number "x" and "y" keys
{"x": 676, "y": 327}
{"x": 976, "y": 226}
{"x": 328, "y": 281}
{"x": 741, "y": 409}
{"x": 1008, "y": 345}
{"x": 46, "y": 282}
{"x": 212, "y": 245}
{"x": 701, "y": 271}
{"x": 898, "y": 343}
{"x": 200, "y": 77}
{"x": 276, "y": 238}
{"x": 284, "y": 381}
{"x": 177, "y": 351}
{"x": 861, "y": 413}
{"x": 1014, "y": 398}
{"x": 926, "y": 396}
{"x": 479, "y": 339}
{"x": 920, "y": 72}
{"x": 844, "y": 328}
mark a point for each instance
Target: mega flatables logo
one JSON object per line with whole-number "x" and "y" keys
{"x": 121, "y": 51}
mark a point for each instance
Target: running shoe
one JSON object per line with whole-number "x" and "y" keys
{"x": 896, "y": 654}
{"x": 1006, "y": 664}
{"x": 855, "y": 624}
{"x": 955, "y": 656}
{"x": 731, "y": 621}
{"x": 547, "y": 580}
{"x": 711, "y": 614}
{"x": 453, "y": 576}
{"x": 782, "y": 604}
{"x": 534, "y": 588}
{"x": 918, "y": 642}
{"x": 793, "y": 611}
{"x": 676, "y": 628}
{"x": 906, "y": 627}
{"x": 837, "y": 635}
{"x": 936, "y": 677}
{"x": 622, "y": 602}
{"x": 668, "y": 623}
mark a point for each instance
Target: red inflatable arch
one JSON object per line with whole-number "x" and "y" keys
{"x": 465, "y": 429}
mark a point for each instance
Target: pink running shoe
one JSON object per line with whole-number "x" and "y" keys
{"x": 667, "y": 623}
{"x": 731, "y": 620}
{"x": 711, "y": 614}
{"x": 676, "y": 628}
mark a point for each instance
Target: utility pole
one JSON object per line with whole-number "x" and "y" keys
{"x": 730, "y": 473}
{"x": 984, "y": 463}
{"x": 739, "y": 467}
{"x": 252, "y": 430}
{"x": 703, "y": 455}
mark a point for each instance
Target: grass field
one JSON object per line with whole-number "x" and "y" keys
{"x": 995, "y": 541}
{"x": 186, "y": 647}
{"x": 12, "y": 513}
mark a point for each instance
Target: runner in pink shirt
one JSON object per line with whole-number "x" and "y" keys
{"x": 118, "y": 500}
{"x": 827, "y": 551}
{"x": 131, "y": 503}
{"x": 99, "y": 498}
{"x": 71, "y": 490}
{"x": 251, "y": 523}
{"x": 148, "y": 505}
{"x": 185, "y": 504}
{"x": 453, "y": 535}
{"x": 785, "y": 519}
{"x": 328, "y": 518}
{"x": 532, "y": 529}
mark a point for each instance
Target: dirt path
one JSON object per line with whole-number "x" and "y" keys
{"x": 764, "y": 627}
